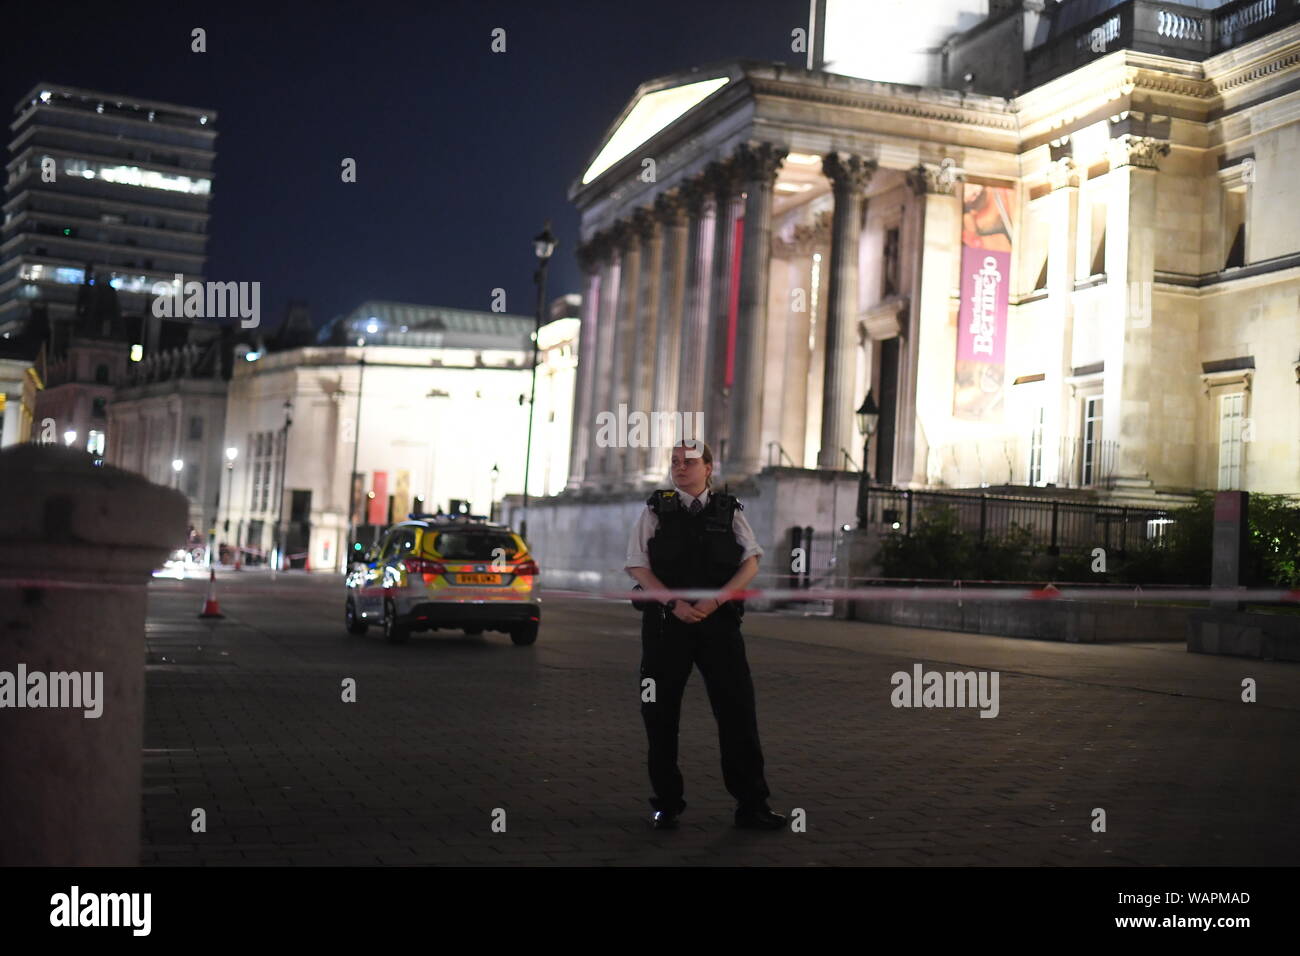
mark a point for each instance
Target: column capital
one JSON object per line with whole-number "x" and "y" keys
{"x": 848, "y": 172}
{"x": 671, "y": 207}
{"x": 722, "y": 178}
{"x": 941, "y": 179}
{"x": 591, "y": 253}
{"x": 696, "y": 194}
{"x": 621, "y": 235}
{"x": 643, "y": 224}
{"x": 1063, "y": 173}
{"x": 1141, "y": 151}
{"x": 759, "y": 162}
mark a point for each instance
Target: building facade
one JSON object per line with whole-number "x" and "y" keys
{"x": 1094, "y": 282}
{"x": 79, "y": 374}
{"x": 1059, "y": 249}
{"x": 166, "y": 420}
{"x": 103, "y": 181}
{"x": 15, "y": 419}
{"x": 395, "y": 408}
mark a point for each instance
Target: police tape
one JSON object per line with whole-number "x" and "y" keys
{"x": 1049, "y": 592}
{"x": 49, "y": 584}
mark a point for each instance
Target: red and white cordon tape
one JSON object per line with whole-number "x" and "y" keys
{"x": 886, "y": 593}
{"x": 881, "y": 593}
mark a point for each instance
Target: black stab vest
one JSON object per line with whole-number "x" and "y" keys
{"x": 694, "y": 550}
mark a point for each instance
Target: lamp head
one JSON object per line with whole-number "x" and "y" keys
{"x": 868, "y": 415}
{"x": 544, "y": 243}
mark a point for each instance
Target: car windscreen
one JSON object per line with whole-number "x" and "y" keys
{"x": 475, "y": 545}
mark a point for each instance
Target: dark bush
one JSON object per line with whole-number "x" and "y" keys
{"x": 938, "y": 548}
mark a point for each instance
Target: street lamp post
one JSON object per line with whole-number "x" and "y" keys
{"x": 231, "y": 454}
{"x": 492, "y": 508}
{"x": 356, "y": 447}
{"x": 544, "y": 247}
{"x": 868, "y": 418}
{"x": 280, "y": 534}
{"x": 177, "y": 466}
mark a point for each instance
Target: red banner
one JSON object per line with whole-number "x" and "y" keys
{"x": 987, "y": 215}
{"x": 378, "y": 510}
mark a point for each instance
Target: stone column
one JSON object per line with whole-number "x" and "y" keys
{"x": 76, "y": 555}
{"x": 671, "y": 210}
{"x": 1130, "y": 272}
{"x": 849, "y": 176}
{"x": 647, "y": 335}
{"x": 932, "y": 248}
{"x": 1063, "y": 216}
{"x": 589, "y": 256}
{"x": 799, "y": 398}
{"x": 701, "y": 210}
{"x": 758, "y": 167}
{"x": 625, "y": 343}
{"x": 605, "y": 371}
{"x": 724, "y": 180}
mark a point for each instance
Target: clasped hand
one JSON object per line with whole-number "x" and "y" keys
{"x": 693, "y": 613}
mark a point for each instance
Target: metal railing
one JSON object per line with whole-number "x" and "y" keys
{"x": 1053, "y": 524}
{"x": 781, "y": 454}
{"x": 1158, "y": 27}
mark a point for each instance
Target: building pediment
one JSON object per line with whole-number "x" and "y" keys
{"x": 655, "y": 106}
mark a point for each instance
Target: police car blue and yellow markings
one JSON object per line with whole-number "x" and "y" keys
{"x": 510, "y": 575}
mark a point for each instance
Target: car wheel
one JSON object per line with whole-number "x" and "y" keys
{"x": 352, "y": 622}
{"x": 395, "y": 632}
{"x": 524, "y": 634}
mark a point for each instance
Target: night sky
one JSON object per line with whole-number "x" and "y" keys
{"x": 461, "y": 153}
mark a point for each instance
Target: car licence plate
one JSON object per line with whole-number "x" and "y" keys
{"x": 478, "y": 579}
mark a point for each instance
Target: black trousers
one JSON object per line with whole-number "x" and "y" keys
{"x": 669, "y": 649}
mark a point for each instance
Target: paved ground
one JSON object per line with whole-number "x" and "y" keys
{"x": 245, "y": 720}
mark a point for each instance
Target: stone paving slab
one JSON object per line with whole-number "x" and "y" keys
{"x": 245, "y": 719}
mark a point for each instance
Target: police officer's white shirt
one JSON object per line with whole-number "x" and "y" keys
{"x": 648, "y": 524}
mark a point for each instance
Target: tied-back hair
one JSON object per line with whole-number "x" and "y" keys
{"x": 706, "y": 456}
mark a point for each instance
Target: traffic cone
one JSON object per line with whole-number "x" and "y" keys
{"x": 210, "y": 607}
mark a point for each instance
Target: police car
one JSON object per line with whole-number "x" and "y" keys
{"x": 445, "y": 572}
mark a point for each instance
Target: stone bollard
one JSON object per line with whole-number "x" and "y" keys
{"x": 78, "y": 544}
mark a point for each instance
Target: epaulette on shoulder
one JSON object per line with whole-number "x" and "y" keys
{"x": 663, "y": 501}
{"x": 728, "y": 501}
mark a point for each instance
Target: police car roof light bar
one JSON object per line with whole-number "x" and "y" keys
{"x": 443, "y": 516}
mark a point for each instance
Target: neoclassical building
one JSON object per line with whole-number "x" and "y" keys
{"x": 1072, "y": 259}
{"x": 390, "y": 409}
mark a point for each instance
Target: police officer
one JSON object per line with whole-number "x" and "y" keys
{"x": 693, "y": 538}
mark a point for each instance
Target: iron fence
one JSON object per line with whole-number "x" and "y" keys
{"x": 1053, "y": 524}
